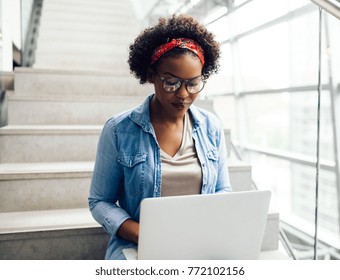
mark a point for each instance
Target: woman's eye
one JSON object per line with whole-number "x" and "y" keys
{"x": 172, "y": 82}
{"x": 193, "y": 84}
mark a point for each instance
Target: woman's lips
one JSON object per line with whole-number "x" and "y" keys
{"x": 181, "y": 105}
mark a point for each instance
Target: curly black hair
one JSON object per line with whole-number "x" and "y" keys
{"x": 181, "y": 26}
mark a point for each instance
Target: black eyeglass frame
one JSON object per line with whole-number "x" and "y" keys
{"x": 181, "y": 81}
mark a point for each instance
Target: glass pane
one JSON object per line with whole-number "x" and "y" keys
{"x": 267, "y": 120}
{"x": 303, "y": 125}
{"x": 224, "y": 106}
{"x": 293, "y": 195}
{"x": 223, "y": 81}
{"x": 226, "y": 61}
{"x": 264, "y": 58}
{"x": 288, "y": 121}
{"x": 333, "y": 52}
{"x": 303, "y": 51}
{"x": 220, "y": 28}
{"x": 258, "y": 12}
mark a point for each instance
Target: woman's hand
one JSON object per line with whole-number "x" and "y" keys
{"x": 129, "y": 230}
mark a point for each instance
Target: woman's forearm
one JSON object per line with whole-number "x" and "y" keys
{"x": 129, "y": 230}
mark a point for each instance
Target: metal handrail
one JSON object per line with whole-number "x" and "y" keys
{"x": 293, "y": 157}
{"x": 331, "y": 7}
{"x": 29, "y": 44}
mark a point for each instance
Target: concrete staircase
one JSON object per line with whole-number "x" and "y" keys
{"x": 85, "y": 35}
{"x": 55, "y": 115}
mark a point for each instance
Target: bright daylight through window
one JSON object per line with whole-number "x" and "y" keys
{"x": 273, "y": 100}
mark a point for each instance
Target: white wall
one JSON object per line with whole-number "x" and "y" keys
{"x": 1, "y": 43}
{"x": 10, "y": 24}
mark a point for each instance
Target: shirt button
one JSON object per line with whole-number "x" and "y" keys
{"x": 203, "y": 164}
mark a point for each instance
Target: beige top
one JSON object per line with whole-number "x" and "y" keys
{"x": 182, "y": 174}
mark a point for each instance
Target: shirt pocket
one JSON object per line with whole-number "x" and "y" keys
{"x": 134, "y": 165}
{"x": 212, "y": 155}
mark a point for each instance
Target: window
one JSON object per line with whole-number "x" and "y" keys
{"x": 270, "y": 104}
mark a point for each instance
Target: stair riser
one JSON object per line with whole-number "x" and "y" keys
{"x": 271, "y": 233}
{"x": 75, "y": 244}
{"x": 57, "y": 192}
{"x": 48, "y": 148}
{"x": 111, "y": 33}
{"x": 73, "y": 4}
{"x": 82, "y": 59}
{"x": 71, "y": 112}
{"x": 116, "y": 71}
{"x": 119, "y": 8}
{"x": 240, "y": 178}
{"x": 45, "y": 84}
{"x": 76, "y": 48}
{"x": 44, "y": 194}
{"x": 59, "y": 35}
{"x": 82, "y": 24}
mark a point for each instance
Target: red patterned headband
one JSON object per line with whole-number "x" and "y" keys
{"x": 184, "y": 43}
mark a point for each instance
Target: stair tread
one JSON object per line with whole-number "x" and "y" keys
{"x": 65, "y": 166}
{"x": 88, "y": 98}
{"x": 71, "y": 166}
{"x": 7, "y": 169}
{"x": 31, "y": 221}
{"x": 35, "y": 71}
{"x": 238, "y": 164}
{"x": 47, "y": 220}
{"x": 31, "y": 170}
{"x": 80, "y": 98}
{"x": 49, "y": 129}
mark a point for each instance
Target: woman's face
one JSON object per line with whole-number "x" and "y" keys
{"x": 186, "y": 67}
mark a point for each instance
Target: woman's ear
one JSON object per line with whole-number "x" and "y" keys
{"x": 150, "y": 76}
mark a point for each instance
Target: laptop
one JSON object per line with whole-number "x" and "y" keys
{"x": 202, "y": 227}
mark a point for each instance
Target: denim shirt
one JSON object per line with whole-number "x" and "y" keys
{"x": 128, "y": 167}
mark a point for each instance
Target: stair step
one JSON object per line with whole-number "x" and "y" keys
{"x": 73, "y": 110}
{"x": 118, "y": 29}
{"x": 100, "y": 61}
{"x": 69, "y": 234}
{"x": 44, "y": 143}
{"x": 48, "y": 143}
{"x": 107, "y": 23}
{"x": 55, "y": 234}
{"x": 44, "y": 186}
{"x": 92, "y": 48}
{"x": 121, "y": 70}
{"x": 32, "y": 221}
{"x": 89, "y": 3}
{"x": 113, "y": 15}
{"x": 46, "y": 82}
{"x": 59, "y": 35}
{"x": 271, "y": 233}
{"x": 240, "y": 175}
{"x": 77, "y": 32}
{"x": 64, "y": 185}
{"x": 95, "y": 8}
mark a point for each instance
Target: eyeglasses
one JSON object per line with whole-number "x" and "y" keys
{"x": 171, "y": 85}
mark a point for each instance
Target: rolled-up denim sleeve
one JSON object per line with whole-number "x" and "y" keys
{"x": 223, "y": 180}
{"x": 107, "y": 183}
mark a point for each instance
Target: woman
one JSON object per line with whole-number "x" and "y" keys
{"x": 166, "y": 146}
